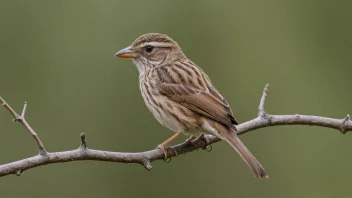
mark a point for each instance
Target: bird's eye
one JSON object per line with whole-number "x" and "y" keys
{"x": 149, "y": 48}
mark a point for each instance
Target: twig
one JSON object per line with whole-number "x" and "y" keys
{"x": 261, "y": 111}
{"x": 23, "y": 121}
{"x": 83, "y": 141}
{"x": 145, "y": 158}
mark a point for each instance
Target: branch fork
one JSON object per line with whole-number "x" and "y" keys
{"x": 23, "y": 121}
{"x": 147, "y": 157}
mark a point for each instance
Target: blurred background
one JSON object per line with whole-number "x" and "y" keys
{"x": 58, "y": 55}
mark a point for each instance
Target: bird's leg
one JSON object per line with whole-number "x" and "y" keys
{"x": 163, "y": 145}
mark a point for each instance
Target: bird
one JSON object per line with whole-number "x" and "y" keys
{"x": 181, "y": 96}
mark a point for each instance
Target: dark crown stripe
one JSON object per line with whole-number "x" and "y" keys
{"x": 152, "y": 37}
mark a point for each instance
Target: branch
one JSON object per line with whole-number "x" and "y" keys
{"x": 23, "y": 121}
{"x": 145, "y": 158}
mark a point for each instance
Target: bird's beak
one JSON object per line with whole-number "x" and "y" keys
{"x": 126, "y": 53}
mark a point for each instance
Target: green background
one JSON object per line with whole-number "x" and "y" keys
{"x": 58, "y": 55}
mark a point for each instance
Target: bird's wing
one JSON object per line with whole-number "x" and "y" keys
{"x": 208, "y": 103}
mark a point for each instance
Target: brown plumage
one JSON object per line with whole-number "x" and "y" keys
{"x": 180, "y": 95}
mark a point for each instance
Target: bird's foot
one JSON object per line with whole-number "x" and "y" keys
{"x": 164, "y": 150}
{"x": 206, "y": 142}
{"x": 190, "y": 141}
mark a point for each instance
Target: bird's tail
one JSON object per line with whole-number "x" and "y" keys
{"x": 231, "y": 137}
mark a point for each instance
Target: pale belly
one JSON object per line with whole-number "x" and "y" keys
{"x": 169, "y": 121}
{"x": 182, "y": 123}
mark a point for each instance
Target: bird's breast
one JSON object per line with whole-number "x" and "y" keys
{"x": 170, "y": 114}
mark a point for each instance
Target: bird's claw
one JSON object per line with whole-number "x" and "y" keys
{"x": 206, "y": 142}
{"x": 190, "y": 141}
{"x": 164, "y": 150}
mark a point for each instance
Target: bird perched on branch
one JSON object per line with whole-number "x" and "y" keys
{"x": 180, "y": 95}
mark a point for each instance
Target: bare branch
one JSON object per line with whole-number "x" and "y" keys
{"x": 8, "y": 107}
{"x": 261, "y": 111}
{"x": 23, "y": 121}
{"x": 24, "y": 109}
{"x": 147, "y": 157}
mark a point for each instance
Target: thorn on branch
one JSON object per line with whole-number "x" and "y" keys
{"x": 347, "y": 118}
{"x": 18, "y": 173}
{"x": 343, "y": 128}
{"x": 83, "y": 141}
{"x": 147, "y": 165}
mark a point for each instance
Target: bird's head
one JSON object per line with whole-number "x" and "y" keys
{"x": 151, "y": 50}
